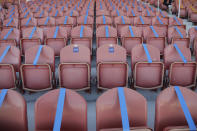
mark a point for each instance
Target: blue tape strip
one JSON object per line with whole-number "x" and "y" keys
{"x": 26, "y": 14}
{"x": 32, "y": 32}
{"x": 37, "y": 55}
{"x": 47, "y": 20}
{"x": 85, "y": 20}
{"x": 81, "y": 31}
{"x": 139, "y": 8}
{"x": 37, "y": 9}
{"x": 25, "y": 9}
{"x": 6, "y": 36}
{"x": 28, "y": 21}
{"x": 126, "y": 8}
{"x": 154, "y": 31}
{"x": 176, "y": 28}
{"x": 148, "y": 12}
{"x": 141, "y": 19}
{"x": 65, "y": 20}
{"x": 104, "y": 22}
{"x": 62, "y": 8}
{"x": 101, "y": 7}
{"x": 159, "y": 20}
{"x": 59, "y": 110}
{"x": 114, "y": 7}
{"x": 4, "y": 53}
{"x": 123, "y": 21}
{"x": 55, "y": 5}
{"x": 123, "y": 109}
{"x": 75, "y": 8}
{"x": 49, "y": 9}
{"x": 11, "y": 15}
{"x": 56, "y": 13}
{"x": 122, "y": 3}
{"x": 2, "y": 96}
{"x": 147, "y": 53}
{"x": 132, "y": 12}
{"x": 133, "y": 5}
{"x": 9, "y": 21}
{"x": 41, "y": 14}
{"x": 111, "y": 49}
{"x": 106, "y": 31}
{"x": 12, "y": 9}
{"x": 195, "y": 28}
{"x": 117, "y": 12}
{"x": 131, "y": 31}
{"x": 180, "y": 53}
{"x": 71, "y": 13}
{"x": 56, "y": 32}
{"x": 185, "y": 109}
{"x": 129, "y": 2}
{"x": 152, "y": 9}
{"x": 177, "y": 21}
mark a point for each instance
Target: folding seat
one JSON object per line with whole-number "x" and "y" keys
{"x": 174, "y": 108}
{"x": 10, "y": 23}
{"x": 28, "y": 22}
{"x": 174, "y": 21}
{"x": 192, "y": 34}
{"x": 116, "y": 13}
{"x": 9, "y": 37}
{"x": 112, "y": 67}
{"x": 12, "y": 14}
{"x": 9, "y": 64}
{"x": 102, "y": 12}
{"x": 106, "y": 35}
{"x": 121, "y": 109}
{"x": 182, "y": 70}
{"x": 120, "y": 22}
{"x": 74, "y": 14}
{"x": 61, "y": 104}
{"x": 67, "y": 22}
{"x": 56, "y": 13}
{"x": 130, "y": 37}
{"x": 160, "y": 21}
{"x": 90, "y": 11}
{"x": 38, "y": 71}
{"x": 156, "y": 36}
{"x": 82, "y": 35}
{"x": 41, "y": 13}
{"x": 146, "y": 67}
{"x": 30, "y": 37}
{"x": 178, "y": 35}
{"x": 86, "y": 21}
{"x": 56, "y": 38}
{"x": 46, "y": 22}
{"x": 75, "y": 65}
{"x": 13, "y": 111}
{"x": 142, "y": 21}
{"x": 26, "y": 14}
{"x": 103, "y": 20}
{"x": 148, "y": 13}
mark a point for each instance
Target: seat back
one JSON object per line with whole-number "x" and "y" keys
{"x": 142, "y": 21}
{"x": 28, "y": 22}
{"x": 75, "y": 107}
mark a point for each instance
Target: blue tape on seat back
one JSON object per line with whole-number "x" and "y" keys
{"x": 47, "y": 20}
{"x": 147, "y": 53}
{"x": 87, "y": 11}
{"x": 132, "y": 12}
{"x": 106, "y": 31}
{"x": 104, "y": 21}
{"x": 101, "y": 7}
{"x": 59, "y": 110}
{"x": 126, "y": 8}
{"x": 71, "y": 13}
{"x": 11, "y": 15}
{"x": 111, "y": 49}
{"x": 85, "y": 20}
{"x": 56, "y": 32}
{"x": 114, "y": 7}
{"x": 152, "y": 9}
{"x": 7, "y": 35}
{"x": 133, "y": 5}
{"x": 154, "y": 31}
{"x": 123, "y": 109}
{"x": 123, "y": 21}
{"x": 49, "y": 9}
{"x": 4, "y": 53}
{"x": 37, "y": 9}
{"x": 162, "y": 13}
{"x": 62, "y": 8}
{"x": 117, "y": 12}
{"x": 56, "y": 13}
{"x": 177, "y": 21}
{"x": 81, "y": 31}
{"x": 9, "y": 21}
{"x": 122, "y": 3}
{"x": 176, "y": 28}
{"x": 139, "y": 8}
{"x": 131, "y": 31}
{"x": 37, "y": 55}
{"x": 26, "y": 14}
{"x": 26, "y": 24}
{"x": 41, "y": 14}
{"x": 25, "y": 9}
{"x": 159, "y": 20}
{"x": 180, "y": 53}
{"x": 195, "y": 28}
{"x": 185, "y": 109}
{"x": 148, "y": 12}
{"x": 141, "y": 19}
{"x": 32, "y": 32}
{"x": 65, "y": 20}
{"x": 75, "y": 8}
{"x": 75, "y": 49}
{"x": 2, "y": 96}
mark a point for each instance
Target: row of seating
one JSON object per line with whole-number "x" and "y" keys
{"x": 116, "y": 109}
{"x": 38, "y": 71}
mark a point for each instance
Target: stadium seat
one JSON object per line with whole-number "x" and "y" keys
{"x": 142, "y": 21}
{"x": 28, "y": 22}
{"x": 103, "y": 20}
{"x": 86, "y": 21}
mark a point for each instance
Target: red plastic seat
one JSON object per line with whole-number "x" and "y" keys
{"x": 56, "y": 13}
{"x": 130, "y": 37}
{"x": 108, "y": 114}
{"x": 31, "y": 36}
{"x": 102, "y": 12}
{"x": 46, "y": 22}
{"x": 145, "y": 69}
{"x": 174, "y": 21}
{"x": 160, "y": 21}
{"x": 103, "y": 20}
{"x": 26, "y": 14}
{"x": 169, "y": 112}
{"x": 86, "y": 21}
{"x": 40, "y": 75}
{"x": 56, "y": 38}
{"x": 75, "y": 107}
{"x": 74, "y": 14}
{"x": 28, "y": 22}
{"x": 40, "y": 14}
{"x": 112, "y": 67}
{"x": 106, "y": 35}
{"x": 142, "y": 21}
{"x": 10, "y": 23}
{"x": 13, "y": 112}
{"x": 192, "y": 34}
{"x": 74, "y": 68}
{"x": 148, "y": 13}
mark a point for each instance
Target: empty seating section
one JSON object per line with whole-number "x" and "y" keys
{"x": 111, "y": 45}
